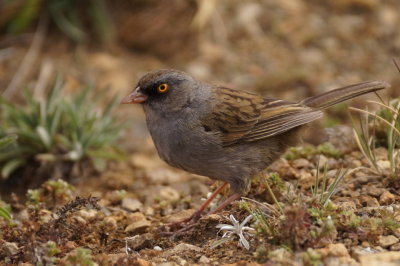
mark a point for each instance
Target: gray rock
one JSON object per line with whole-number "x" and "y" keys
{"x": 169, "y": 194}
{"x": 395, "y": 247}
{"x": 179, "y": 216}
{"x": 131, "y": 205}
{"x": 374, "y": 191}
{"x": 10, "y": 248}
{"x": 204, "y": 259}
{"x": 390, "y": 258}
{"x": 181, "y": 248}
{"x": 138, "y": 227}
{"x": 184, "y": 246}
{"x": 387, "y": 198}
{"x": 141, "y": 241}
{"x": 300, "y": 163}
{"x": 387, "y": 241}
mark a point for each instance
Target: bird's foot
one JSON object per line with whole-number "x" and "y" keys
{"x": 177, "y": 228}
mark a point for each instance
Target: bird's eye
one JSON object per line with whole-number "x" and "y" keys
{"x": 162, "y": 88}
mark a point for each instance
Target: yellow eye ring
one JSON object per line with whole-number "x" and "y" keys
{"x": 162, "y": 87}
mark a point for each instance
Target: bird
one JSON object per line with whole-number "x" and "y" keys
{"x": 225, "y": 134}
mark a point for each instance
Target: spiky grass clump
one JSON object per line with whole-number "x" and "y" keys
{"x": 76, "y": 19}
{"x": 57, "y": 132}
{"x": 382, "y": 126}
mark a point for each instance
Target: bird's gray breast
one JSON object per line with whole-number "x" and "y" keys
{"x": 183, "y": 143}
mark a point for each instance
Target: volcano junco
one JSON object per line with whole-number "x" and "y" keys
{"x": 222, "y": 133}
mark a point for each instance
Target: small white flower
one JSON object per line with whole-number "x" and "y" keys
{"x": 128, "y": 250}
{"x": 238, "y": 229}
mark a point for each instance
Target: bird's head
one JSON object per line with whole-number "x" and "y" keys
{"x": 163, "y": 90}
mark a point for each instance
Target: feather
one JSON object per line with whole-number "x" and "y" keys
{"x": 242, "y": 116}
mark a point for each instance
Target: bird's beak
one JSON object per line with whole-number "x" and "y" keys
{"x": 134, "y": 97}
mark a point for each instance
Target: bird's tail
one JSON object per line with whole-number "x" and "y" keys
{"x": 327, "y": 99}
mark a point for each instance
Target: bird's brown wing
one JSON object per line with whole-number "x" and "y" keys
{"x": 242, "y": 116}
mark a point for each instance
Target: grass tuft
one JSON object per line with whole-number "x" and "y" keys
{"x": 76, "y": 19}
{"x": 57, "y": 131}
{"x": 384, "y": 122}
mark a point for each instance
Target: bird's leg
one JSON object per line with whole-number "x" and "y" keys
{"x": 193, "y": 223}
{"x": 225, "y": 203}
{"x": 197, "y": 214}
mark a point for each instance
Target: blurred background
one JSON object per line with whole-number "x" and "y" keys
{"x": 285, "y": 48}
{"x": 281, "y": 48}
{"x": 66, "y": 143}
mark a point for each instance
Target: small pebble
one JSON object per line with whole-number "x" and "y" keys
{"x": 138, "y": 227}
{"x": 386, "y": 241}
{"x": 10, "y": 248}
{"x": 131, "y": 204}
{"x": 387, "y": 198}
{"x": 300, "y": 163}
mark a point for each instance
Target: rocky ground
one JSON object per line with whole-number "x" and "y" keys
{"x": 287, "y": 49}
{"x": 118, "y": 216}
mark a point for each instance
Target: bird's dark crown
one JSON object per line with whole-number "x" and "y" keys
{"x": 148, "y": 83}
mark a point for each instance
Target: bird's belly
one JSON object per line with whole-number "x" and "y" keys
{"x": 203, "y": 154}
{"x": 188, "y": 152}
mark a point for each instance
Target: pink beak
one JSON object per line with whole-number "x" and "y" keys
{"x": 134, "y": 97}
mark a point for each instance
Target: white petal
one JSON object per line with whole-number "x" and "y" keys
{"x": 233, "y": 219}
{"x": 243, "y": 241}
{"x": 228, "y": 227}
{"x": 222, "y": 225}
{"x": 247, "y": 219}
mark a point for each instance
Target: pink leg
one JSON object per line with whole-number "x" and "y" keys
{"x": 210, "y": 199}
{"x": 225, "y": 203}
{"x": 196, "y": 216}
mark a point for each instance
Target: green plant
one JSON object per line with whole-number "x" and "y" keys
{"x": 264, "y": 220}
{"x": 7, "y": 140}
{"x": 277, "y": 181}
{"x": 326, "y": 149}
{"x": 387, "y": 119}
{"x": 5, "y": 210}
{"x": 389, "y": 220}
{"x": 235, "y": 228}
{"x": 74, "y": 18}
{"x": 79, "y": 256}
{"x": 274, "y": 180}
{"x": 51, "y": 192}
{"x": 349, "y": 219}
{"x": 312, "y": 258}
{"x": 46, "y": 254}
{"x": 323, "y": 193}
{"x": 5, "y": 214}
{"x": 58, "y": 130}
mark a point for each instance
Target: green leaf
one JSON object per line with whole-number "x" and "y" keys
{"x": 26, "y": 15}
{"x": 44, "y": 136}
{"x": 68, "y": 25}
{"x": 5, "y": 214}
{"x": 5, "y": 141}
{"x": 11, "y": 166}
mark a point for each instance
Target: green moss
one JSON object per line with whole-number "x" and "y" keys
{"x": 326, "y": 149}
{"x": 79, "y": 256}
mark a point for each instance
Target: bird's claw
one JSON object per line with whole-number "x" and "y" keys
{"x": 185, "y": 225}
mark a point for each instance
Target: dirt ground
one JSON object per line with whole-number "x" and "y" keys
{"x": 286, "y": 49}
